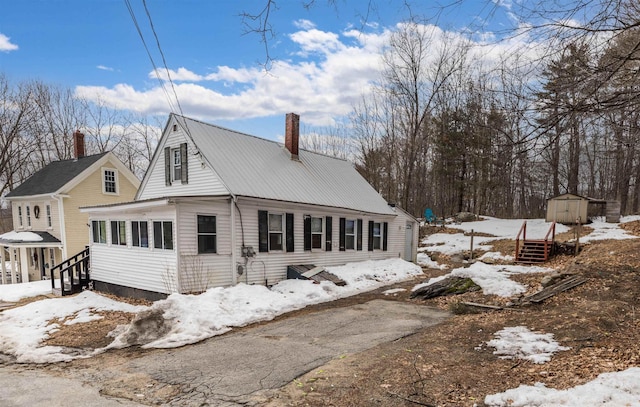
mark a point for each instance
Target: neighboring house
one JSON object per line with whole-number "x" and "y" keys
{"x": 217, "y": 207}
{"x": 48, "y": 226}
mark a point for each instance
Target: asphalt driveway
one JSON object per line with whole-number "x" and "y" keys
{"x": 229, "y": 370}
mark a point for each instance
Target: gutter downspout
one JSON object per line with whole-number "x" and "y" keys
{"x": 234, "y": 274}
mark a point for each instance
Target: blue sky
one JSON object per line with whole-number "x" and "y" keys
{"x": 326, "y": 57}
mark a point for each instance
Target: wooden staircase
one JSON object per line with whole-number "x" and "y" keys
{"x": 72, "y": 274}
{"x": 534, "y": 251}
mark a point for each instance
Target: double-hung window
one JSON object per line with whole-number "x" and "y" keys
{"x": 163, "y": 235}
{"x": 377, "y": 236}
{"x": 275, "y": 231}
{"x": 139, "y": 233}
{"x": 28, "y": 216}
{"x": 118, "y": 233}
{"x": 350, "y": 234}
{"x": 207, "y": 234}
{"x": 110, "y": 181}
{"x": 176, "y": 164}
{"x": 99, "y": 231}
{"x": 316, "y": 233}
{"x": 20, "y": 216}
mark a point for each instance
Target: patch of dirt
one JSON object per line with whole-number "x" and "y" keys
{"x": 451, "y": 365}
{"x": 89, "y": 335}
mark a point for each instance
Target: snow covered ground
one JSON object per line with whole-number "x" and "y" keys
{"x": 23, "y": 329}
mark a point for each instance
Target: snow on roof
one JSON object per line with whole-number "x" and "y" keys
{"x": 17, "y": 237}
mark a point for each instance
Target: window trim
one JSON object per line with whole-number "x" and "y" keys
{"x": 115, "y": 181}
{"x": 214, "y": 234}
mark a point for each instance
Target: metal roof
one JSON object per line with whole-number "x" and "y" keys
{"x": 54, "y": 176}
{"x": 254, "y": 167}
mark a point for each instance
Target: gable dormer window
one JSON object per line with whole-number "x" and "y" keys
{"x": 175, "y": 165}
{"x": 109, "y": 181}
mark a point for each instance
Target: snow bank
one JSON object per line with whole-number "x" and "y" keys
{"x": 191, "y": 318}
{"x": 607, "y": 390}
{"x": 25, "y": 328}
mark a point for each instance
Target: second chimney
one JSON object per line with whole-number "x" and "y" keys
{"x": 78, "y": 144}
{"x": 292, "y": 134}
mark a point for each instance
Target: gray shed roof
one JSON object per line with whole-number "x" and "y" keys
{"x": 254, "y": 167}
{"x": 54, "y": 176}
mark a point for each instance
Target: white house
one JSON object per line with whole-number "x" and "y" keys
{"x": 217, "y": 207}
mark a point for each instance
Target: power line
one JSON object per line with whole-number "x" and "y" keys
{"x": 155, "y": 68}
{"x": 164, "y": 61}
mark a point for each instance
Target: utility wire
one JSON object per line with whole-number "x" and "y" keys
{"x": 164, "y": 61}
{"x": 155, "y": 68}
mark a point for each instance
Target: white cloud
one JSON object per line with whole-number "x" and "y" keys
{"x": 181, "y": 75}
{"x": 304, "y": 24}
{"x": 6, "y": 45}
{"x": 326, "y": 75}
{"x": 104, "y": 68}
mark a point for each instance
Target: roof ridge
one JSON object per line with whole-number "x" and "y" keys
{"x": 255, "y": 137}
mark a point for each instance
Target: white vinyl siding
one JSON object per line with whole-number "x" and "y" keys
{"x": 186, "y": 270}
{"x": 138, "y": 267}
{"x": 202, "y": 180}
{"x": 271, "y": 267}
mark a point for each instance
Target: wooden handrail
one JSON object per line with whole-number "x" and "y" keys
{"x": 552, "y": 231}
{"x": 523, "y": 232}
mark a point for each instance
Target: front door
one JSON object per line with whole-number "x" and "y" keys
{"x": 408, "y": 242}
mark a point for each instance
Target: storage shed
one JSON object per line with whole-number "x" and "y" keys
{"x": 569, "y": 208}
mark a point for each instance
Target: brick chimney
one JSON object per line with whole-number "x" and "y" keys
{"x": 78, "y": 144}
{"x": 292, "y": 134}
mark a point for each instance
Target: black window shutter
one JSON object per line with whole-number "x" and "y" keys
{"x": 289, "y": 229}
{"x": 307, "y": 232}
{"x": 263, "y": 232}
{"x": 184, "y": 164}
{"x": 385, "y": 230}
{"x": 359, "y": 237}
{"x": 342, "y": 234}
{"x": 167, "y": 166}
{"x": 327, "y": 232}
{"x": 370, "y": 242}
